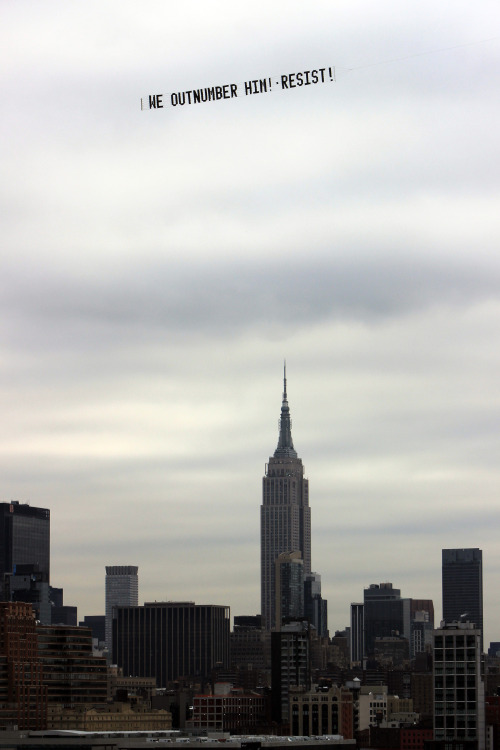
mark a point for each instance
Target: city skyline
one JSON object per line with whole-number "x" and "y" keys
{"x": 157, "y": 267}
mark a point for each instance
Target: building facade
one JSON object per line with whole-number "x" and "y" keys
{"x": 320, "y": 712}
{"x": 28, "y": 584}
{"x": 72, "y": 673}
{"x": 23, "y": 694}
{"x": 385, "y": 614}
{"x": 122, "y": 590}
{"x": 232, "y": 711}
{"x": 357, "y": 633}
{"x": 250, "y": 647}
{"x": 290, "y": 666}
{"x": 285, "y": 518}
{"x": 459, "y": 706}
{"x": 24, "y": 539}
{"x": 372, "y": 705}
{"x": 462, "y": 579}
{"x": 169, "y": 640}
{"x": 115, "y": 717}
{"x": 97, "y": 624}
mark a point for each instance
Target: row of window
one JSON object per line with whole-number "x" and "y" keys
{"x": 449, "y": 641}
{"x": 460, "y": 680}
{"x": 460, "y": 655}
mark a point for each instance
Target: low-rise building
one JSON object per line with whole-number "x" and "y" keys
{"x": 372, "y": 705}
{"x": 322, "y": 712}
{"x": 414, "y": 738}
{"x": 144, "y": 687}
{"x": 229, "y": 710}
{"x": 115, "y": 717}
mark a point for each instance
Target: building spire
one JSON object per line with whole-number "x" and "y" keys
{"x": 285, "y": 447}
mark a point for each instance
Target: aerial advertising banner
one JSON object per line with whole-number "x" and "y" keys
{"x": 286, "y": 81}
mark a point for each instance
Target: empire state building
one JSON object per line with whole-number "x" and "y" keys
{"x": 285, "y": 516}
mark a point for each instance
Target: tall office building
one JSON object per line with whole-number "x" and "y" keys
{"x": 458, "y": 686}
{"x": 285, "y": 516}
{"x": 24, "y": 539}
{"x": 122, "y": 590}
{"x": 462, "y": 578}
{"x": 357, "y": 633}
{"x": 23, "y": 689}
{"x": 170, "y": 640}
{"x": 385, "y": 614}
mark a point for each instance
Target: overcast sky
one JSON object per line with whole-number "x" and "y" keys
{"x": 157, "y": 267}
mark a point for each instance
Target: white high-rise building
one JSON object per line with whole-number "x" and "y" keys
{"x": 122, "y": 590}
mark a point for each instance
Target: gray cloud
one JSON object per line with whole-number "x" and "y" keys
{"x": 232, "y": 298}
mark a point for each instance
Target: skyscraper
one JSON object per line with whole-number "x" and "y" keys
{"x": 462, "y": 578}
{"x": 285, "y": 516}
{"x": 24, "y": 539}
{"x": 357, "y": 633}
{"x": 122, "y": 590}
{"x": 385, "y": 614}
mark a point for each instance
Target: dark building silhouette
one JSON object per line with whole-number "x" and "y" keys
{"x": 250, "y": 649}
{"x": 462, "y": 578}
{"x": 357, "y": 633}
{"x": 384, "y": 612}
{"x": 248, "y": 621}
{"x": 56, "y": 596}
{"x": 29, "y": 584}
{"x": 170, "y": 640}
{"x": 65, "y": 615}
{"x": 285, "y": 519}
{"x": 60, "y": 613}
{"x": 97, "y": 625}
{"x": 24, "y": 539}
{"x": 315, "y": 607}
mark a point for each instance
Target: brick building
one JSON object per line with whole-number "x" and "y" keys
{"x": 23, "y": 696}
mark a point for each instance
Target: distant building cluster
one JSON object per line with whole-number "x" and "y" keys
{"x": 390, "y": 679}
